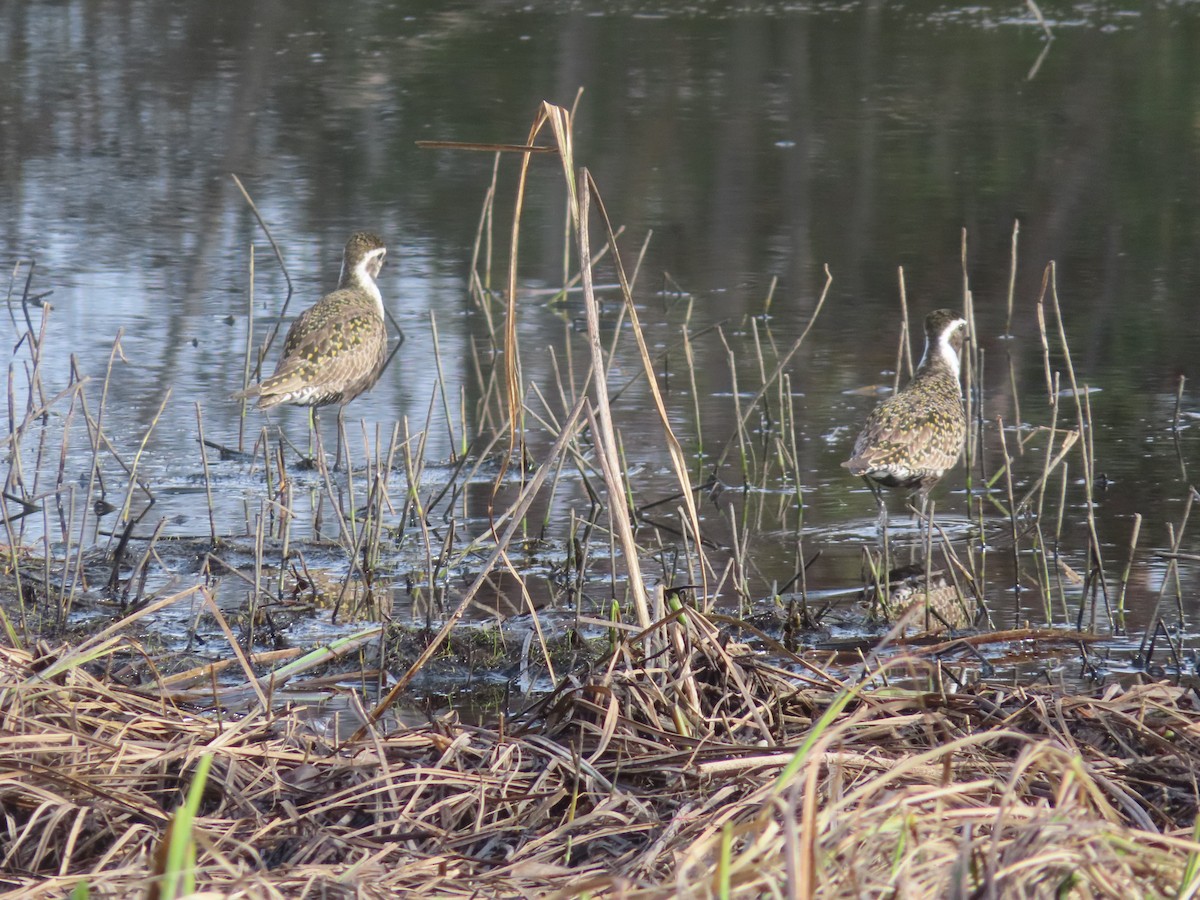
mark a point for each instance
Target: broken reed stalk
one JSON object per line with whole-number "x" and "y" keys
{"x": 1172, "y": 565}
{"x": 760, "y": 363}
{"x": 741, "y": 584}
{"x": 1045, "y": 586}
{"x": 488, "y": 419}
{"x": 1058, "y": 523}
{"x": 208, "y": 499}
{"x": 285, "y": 500}
{"x": 1133, "y": 540}
{"x": 66, "y": 518}
{"x": 1175, "y": 434}
{"x": 463, "y": 428}
{"x": 970, "y": 359}
{"x": 253, "y": 601}
{"x": 1083, "y": 417}
{"x": 441, "y": 385}
{"x": 927, "y": 564}
{"x": 1051, "y": 462}
{"x": 790, "y": 428}
{"x": 269, "y": 484}
{"x": 14, "y": 564}
{"x": 33, "y": 339}
{"x": 383, "y": 468}
{"x": 414, "y": 509}
{"x": 565, "y": 384}
{"x": 619, "y": 514}
{"x": 481, "y": 286}
{"x": 271, "y": 334}
{"x": 134, "y": 482}
{"x": 1012, "y": 514}
{"x": 1012, "y": 281}
{"x": 1101, "y": 577}
{"x": 1051, "y": 385}
{"x": 904, "y": 347}
{"x": 745, "y": 448}
{"x": 1015, "y": 396}
{"x": 245, "y": 401}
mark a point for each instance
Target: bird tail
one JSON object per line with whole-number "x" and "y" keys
{"x": 282, "y": 387}
{"x": 266, "y": 392}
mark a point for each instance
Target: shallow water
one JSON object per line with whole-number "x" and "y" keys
{"x": 754, "y": 144}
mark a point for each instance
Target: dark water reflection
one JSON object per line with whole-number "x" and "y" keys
{"x": 757, "y": 145}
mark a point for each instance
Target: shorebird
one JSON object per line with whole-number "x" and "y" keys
{"x": 336, "y": 349}
{"x": 912, "y": 438}
{"x": 940, "y": 600}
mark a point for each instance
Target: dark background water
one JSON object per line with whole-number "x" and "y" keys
{"x": 758, "y": 142}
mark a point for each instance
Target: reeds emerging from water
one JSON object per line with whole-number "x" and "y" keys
{"x": 680, "y": 751}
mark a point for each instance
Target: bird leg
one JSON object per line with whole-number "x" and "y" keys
{"x": 316, "y": 445}
{"x": 341, "y": 430}
{"x": 314, "y": 433}
{"x": 882, "y": 524}
{"x": 877, "y": 492}
{"x": 923, "y": 510}
{"x": 928, "y": 546}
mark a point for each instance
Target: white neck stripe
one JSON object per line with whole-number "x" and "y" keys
{"x": 944, "y": 351}
{"x": 362, "y": 278}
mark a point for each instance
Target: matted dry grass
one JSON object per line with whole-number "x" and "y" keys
{"x": 683, "y": 767}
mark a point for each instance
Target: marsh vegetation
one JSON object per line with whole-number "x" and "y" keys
{"x": 591, "y": 607}
{"x": 539, "y": 674}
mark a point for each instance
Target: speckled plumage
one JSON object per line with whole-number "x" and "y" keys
{"x": 912, "y": 438}
{"x": 336, "y": 349}
{"x": 947, "y": 607}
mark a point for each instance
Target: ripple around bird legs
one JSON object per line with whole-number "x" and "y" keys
{"x": 902, "y": 529}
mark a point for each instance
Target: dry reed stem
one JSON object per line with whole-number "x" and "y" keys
{"x": 266, "y": 347}
{"x": 559, "y": 121}
{"x": 604, "y": 429}
{"x": 674, "y": 450}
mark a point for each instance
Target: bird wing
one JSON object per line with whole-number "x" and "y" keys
{"x": 306, "y": 332}
{"x": 329, "y": 345}
{"x": 891, "y": 435}
{"x": 348, "y": 345}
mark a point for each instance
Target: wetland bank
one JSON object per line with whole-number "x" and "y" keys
{"x": 589, "y": 612}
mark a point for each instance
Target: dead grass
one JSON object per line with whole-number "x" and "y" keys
{"x": 698, "y": 772}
